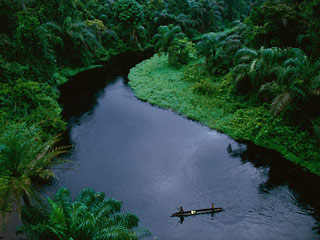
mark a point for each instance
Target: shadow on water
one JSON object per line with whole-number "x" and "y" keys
{"x": 281, "y": 172}
{"x": 80, "y": 93}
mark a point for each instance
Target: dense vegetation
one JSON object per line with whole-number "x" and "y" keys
{"x": 263, "y": 56}
{"x": 257, "y": 80}
{"x": 89, "y": 216}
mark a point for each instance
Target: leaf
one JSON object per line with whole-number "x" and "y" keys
{"x": 280, "y": 103}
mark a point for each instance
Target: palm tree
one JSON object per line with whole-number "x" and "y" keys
{"x": 109, "y": 38}
{"x": 207, "y": 13}
{"x": 299, "y": 81}
{"x": 24, "y": 161}
{"x": 165, "y": 37}
{"x": 285, "y": 76}
{"x": 163, "y": 18}
{"x": 76, "y": 38}
{"x": 217, "y": 49}
{"x": 254, "y": 68}
{"x": 184, "y": 21}
{"x": 208, "y": 46}
{"x": 89, "y": 216}
{"x": 138, "y": 36}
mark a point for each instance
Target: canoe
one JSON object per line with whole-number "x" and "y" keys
{"x": 196, "y": 212}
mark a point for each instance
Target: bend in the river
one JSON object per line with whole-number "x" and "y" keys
{"x": 154, "y": 160}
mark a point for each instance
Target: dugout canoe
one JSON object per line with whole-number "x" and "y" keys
{"x": 196, "y": 212}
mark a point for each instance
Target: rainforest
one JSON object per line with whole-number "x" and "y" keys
{"x": 242, "y": 69}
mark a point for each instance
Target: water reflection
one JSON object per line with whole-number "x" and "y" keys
{"x": 301, "y": 185}
{"x": 154, "y": 160}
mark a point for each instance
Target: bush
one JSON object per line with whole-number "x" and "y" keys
{"x": 204, "y": 87}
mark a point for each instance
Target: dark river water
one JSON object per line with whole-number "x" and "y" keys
{"x": 154, "y": 161}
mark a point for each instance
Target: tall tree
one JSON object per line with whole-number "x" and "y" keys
{"x": 218, "y": 50}
{"x": 275, "y": 23}
{"x": 130, "y": 14}
{"x": 165, "y": 39}
{"x": 207, "y": 13}
{"x": 236, "y": 9}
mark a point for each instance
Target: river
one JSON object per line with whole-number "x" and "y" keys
{"x": 155, "y": 160}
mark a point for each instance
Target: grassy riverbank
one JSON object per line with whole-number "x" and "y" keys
{"x": 211, "y": 102}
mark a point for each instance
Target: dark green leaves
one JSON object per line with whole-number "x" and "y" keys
{"x": 90, "y": 216}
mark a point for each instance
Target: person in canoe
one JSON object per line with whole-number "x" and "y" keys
{"x": 181, "y": 209}
{"x": 181, "y": 217}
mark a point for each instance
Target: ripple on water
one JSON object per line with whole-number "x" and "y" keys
{"x": 155, "y": 161}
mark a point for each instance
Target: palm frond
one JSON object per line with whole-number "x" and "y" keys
{"x": 128, "y": 220}
{"x": 245, "y": 55}
{"x": 292, "y": 62}
{"x": 287, "y": 74}
{"x": 241, "y": 68}
{"x": 296, "y": 53}
{"x": 86, "y": 196}
{"x": 280, "y": 103}
{"x": 63, "y": 199}
{"x": 53, "y": 26}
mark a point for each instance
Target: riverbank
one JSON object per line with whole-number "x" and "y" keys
{"x": 210, "y": 102}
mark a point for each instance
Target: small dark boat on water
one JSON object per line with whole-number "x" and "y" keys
{"x": 182, "y": 213}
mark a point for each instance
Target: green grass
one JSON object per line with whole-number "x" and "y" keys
{"x": 214, "y": 105}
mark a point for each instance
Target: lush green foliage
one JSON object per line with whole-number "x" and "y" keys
{"x": 43, "y": 42}
{"x": 170, "y": 40}
{"x": 286, "y": 23}
{"x": 25, "y": 160}
{"x": 89, "y": 216}
{"x": 257, "y": 79}
{"x": 218, "y": 49}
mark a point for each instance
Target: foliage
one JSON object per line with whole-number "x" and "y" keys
{"x": 33, "y": 101}
{"x": 166, "y": 41}
{"x": 309, "y": 40}
{"x": 178, "y": 6}
{"x": 89, "y": 216}
{"x": 181, "y": 51}
{"x": 58, "y": 10}
{"x": 218, "y": 49}
{"x": 204, "y": 86}
{"x": 129, "y": 12}
{"x": 130, "y": 15}
{"x": 236, "y": 9}
{"x": 254, "y": 68}
{"x": 274, "y": 24}
{"x": 207, "y": 14}
{"x": 285, "y": 76}
{"x": 271, "y": 59}
{"x": 25, "y": 159}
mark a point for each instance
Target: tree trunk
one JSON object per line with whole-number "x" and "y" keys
{"x": 26, "y": 199}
